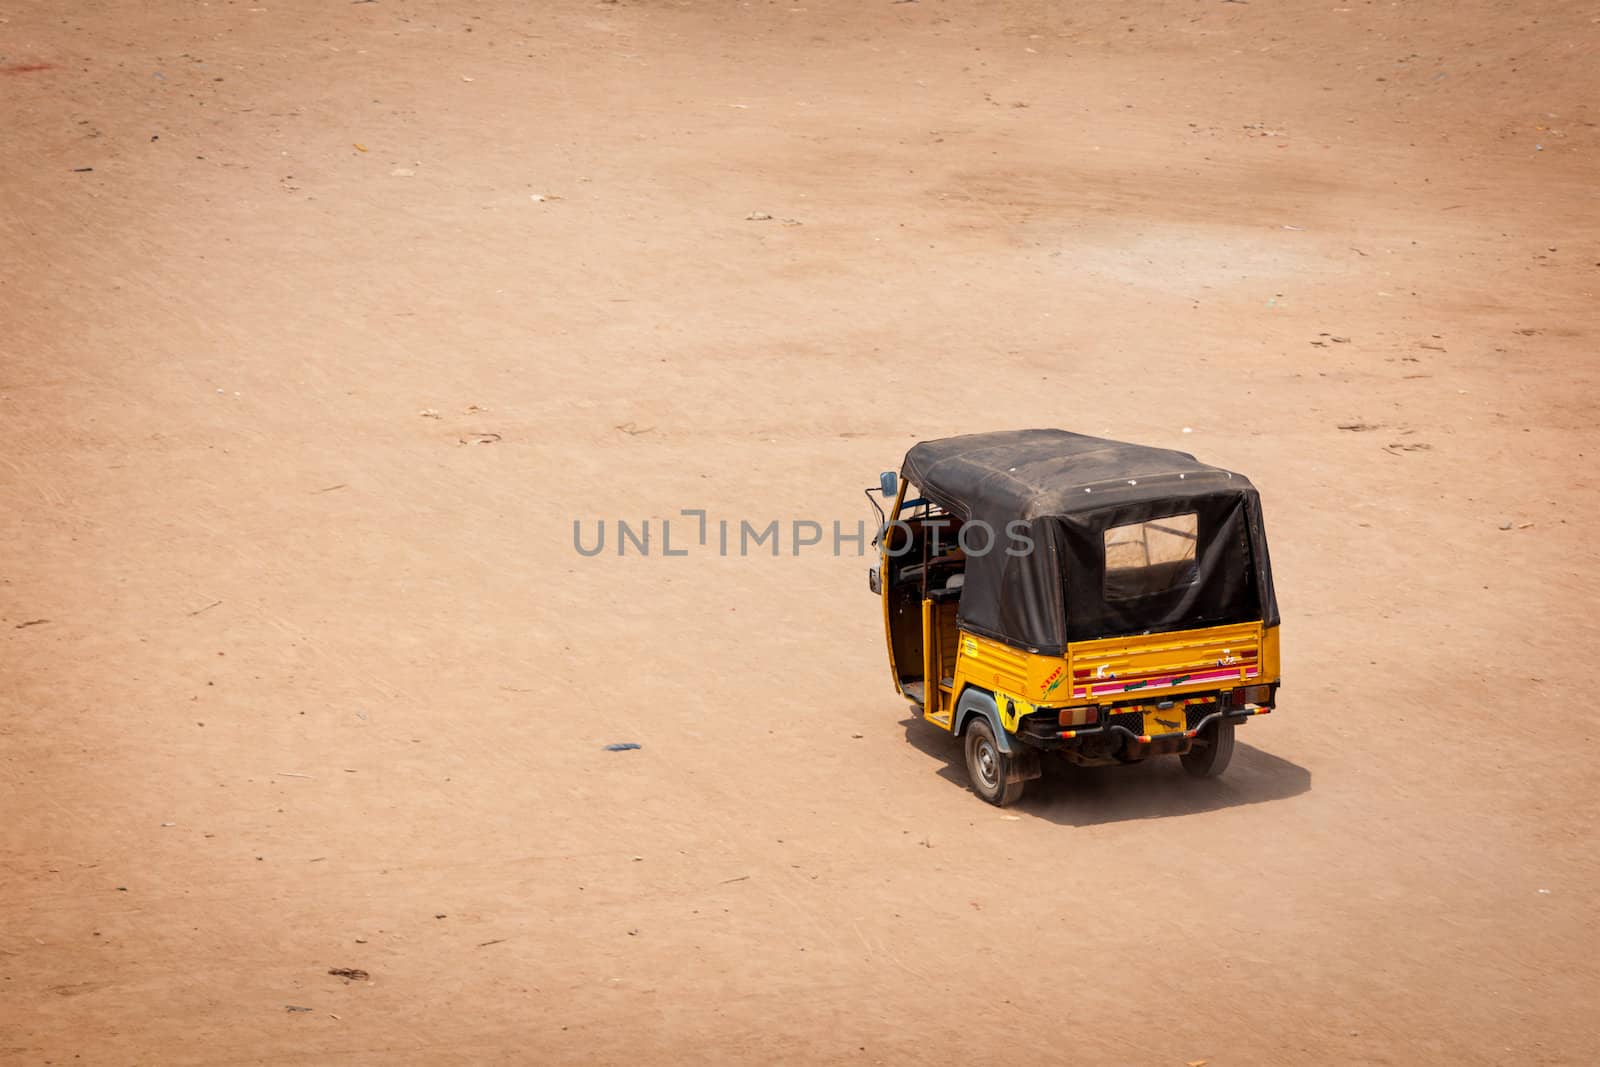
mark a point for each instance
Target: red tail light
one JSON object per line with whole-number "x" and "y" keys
{"x": 1080, "y": 716}
{"x": 1251, "y": 694}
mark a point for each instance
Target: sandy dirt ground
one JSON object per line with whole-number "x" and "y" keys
{"x": 294, "y": 676}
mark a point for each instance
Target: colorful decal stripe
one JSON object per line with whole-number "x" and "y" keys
{"x": 1227, "y": 675}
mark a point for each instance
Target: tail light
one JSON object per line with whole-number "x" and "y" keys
{"x": 1251, "y": 694}
{"x": 1080, "y": 716}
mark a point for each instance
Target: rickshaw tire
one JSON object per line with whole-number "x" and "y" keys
{"x": 1212, "y": 759}
{"x": 989, "y": 770}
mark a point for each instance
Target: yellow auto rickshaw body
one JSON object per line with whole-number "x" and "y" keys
{"x": 1037, "y": 649}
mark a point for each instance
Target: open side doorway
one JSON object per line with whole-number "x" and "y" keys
{"x": 922, "y": 570}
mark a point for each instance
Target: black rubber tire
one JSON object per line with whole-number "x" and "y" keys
{"x": 1210, "y": 758}
{"x": 988, "y": 769}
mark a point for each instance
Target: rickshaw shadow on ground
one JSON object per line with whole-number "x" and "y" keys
{"x": 1158, "y": 788}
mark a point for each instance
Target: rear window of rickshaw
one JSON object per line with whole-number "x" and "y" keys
{"x": 1150, "y": 557}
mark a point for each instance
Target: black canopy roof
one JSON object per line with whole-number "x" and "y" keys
{"x": 1034, "y": 473}
{"x": 1062, "y": 491}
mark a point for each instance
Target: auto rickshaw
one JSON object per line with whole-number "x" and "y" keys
{"x": 1046, "y": 591}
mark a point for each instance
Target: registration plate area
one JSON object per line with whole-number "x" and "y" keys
{"x": 1153, "y": 720}
{"x": 1159, "y": 721}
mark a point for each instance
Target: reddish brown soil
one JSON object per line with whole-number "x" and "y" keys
{"x": 291, "y": 679}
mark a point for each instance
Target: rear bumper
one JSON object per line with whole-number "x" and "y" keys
{"x": 1039, "y": 729}
{"x": 1236, "y": 714}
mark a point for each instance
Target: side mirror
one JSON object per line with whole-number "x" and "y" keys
{"x": 888, "y": 483}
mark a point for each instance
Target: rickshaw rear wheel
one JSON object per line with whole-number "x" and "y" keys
{"x": 1211, "y": 758}
{"x": 990, "y": 770}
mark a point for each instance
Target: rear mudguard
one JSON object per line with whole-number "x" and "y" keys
{"x": 976, "y": 702}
